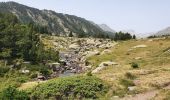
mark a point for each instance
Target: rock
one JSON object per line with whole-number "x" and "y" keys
{"x": 41, "y": 78}
{"x": 131, "y": 88}
{"x": 140, "y": 46}
{"x": 108, "y": 63}
{"x": 25, "y": 71}
{"x": 91, "y": 53}
{"x": 116, "y": 97}
{"x": 130, "y": 50}
{"x": 150, "y": 40}
{"x": 88, "y": 66}
{"x": 104, "y": 65}
{"x": 90, "y": 41}
{"x": 26, "y": 62}
{"x": 106, "y": 51}
{"x": 138, "y": 58}
{"x": 74, "y": 46}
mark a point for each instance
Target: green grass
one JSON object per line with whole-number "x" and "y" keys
{"x": 154, "y": 58}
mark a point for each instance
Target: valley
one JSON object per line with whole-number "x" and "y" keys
{"x": 126, "y": 82}
{"x": 46, "y": 55}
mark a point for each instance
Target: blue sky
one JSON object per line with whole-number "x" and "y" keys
{"x": 143, "y": 16}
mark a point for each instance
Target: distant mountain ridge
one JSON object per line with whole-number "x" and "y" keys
{"x": 165, "y": 31}
{"x": 56, "y": 23}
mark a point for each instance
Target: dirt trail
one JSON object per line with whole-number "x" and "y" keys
{"x": 145, "y": 96}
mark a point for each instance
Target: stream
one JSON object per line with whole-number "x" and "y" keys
{"x": 70, "y": 63}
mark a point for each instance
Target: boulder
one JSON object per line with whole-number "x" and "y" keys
{"x": 103, "y": 65}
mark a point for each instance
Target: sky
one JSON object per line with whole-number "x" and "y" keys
{"x": 142, "y": 16}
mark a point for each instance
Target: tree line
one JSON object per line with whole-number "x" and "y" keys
{"x": 123, "y": 36}
{"x": 22, "y": 41}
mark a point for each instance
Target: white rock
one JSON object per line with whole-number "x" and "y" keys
{"x": 25, "y": 71}
{"x": 106, "y": 51}
{"x": 74, "y": 46}
{"x": 138, "y": 58}
{"x": 140, "y": 46}
{"x": 91, "y": 53}
{"x": 131, "y": 88}
{"x": 103, "y": 65}
{"x": 150, "y": 40}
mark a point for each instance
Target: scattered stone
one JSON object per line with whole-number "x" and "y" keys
{"x": 106, "y": 51}
{"x": 91, "y": 53}
{"x": 103, "y": 65}
{"x": 130, "y": 49}
{"x": 116, "y": 97}
{"x": 138, "y": 58}
{"x": 140, "y": 46}
{"x": 26, "y": 62}
{"x": 108, "y": 63}
{"x": 150, "y": 40}
{"x": 41, "y": 78}
{"x": 25, "y": 71}
{"x": 74, "y": 46}
{"x": 131, "y": 88}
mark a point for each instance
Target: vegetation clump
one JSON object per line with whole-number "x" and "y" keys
{"x": 11, "y": 93}
{"x": 123, "y": 36}
{"x": 134, "y": 65}
{"x": 71, "y": 88}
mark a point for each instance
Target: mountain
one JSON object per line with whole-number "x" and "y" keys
{"x": 165, "y": 31}
{"x": 106, "y": 28}
{"x": 56, "y": 23}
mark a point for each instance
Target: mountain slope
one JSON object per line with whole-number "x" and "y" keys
{"x": 56, "y": 23}
{"x": 106, "y": 28}
{"x": 165, "y": 31}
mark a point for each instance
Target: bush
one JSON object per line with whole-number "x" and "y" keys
{"x": 134, "y": 65}
{"x": 45, "y": 71}
{"x": 3, "y": 70}
{"x": 33, "y": 75}
{"x": 11, "y": 93}
{"x": 71, "y": 87}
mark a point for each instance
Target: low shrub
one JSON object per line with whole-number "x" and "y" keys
{"x": 71, "y": 87}
{"x": 33, "y": 75}
{"x": 134, "y": 65}
{"x": 11, "y": 93}
{"x": 3, "y": 71}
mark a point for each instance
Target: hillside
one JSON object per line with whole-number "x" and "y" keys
{"x": 165, "y": 31}
{"x": 112, "y": 63}
{"x": 106, "y": 28}
{"x": 55, "y": 23}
